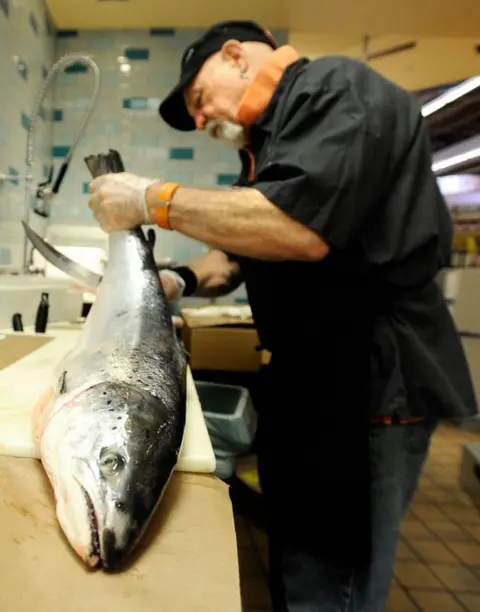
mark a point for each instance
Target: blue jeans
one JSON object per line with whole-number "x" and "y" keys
{"x": 302, "y": 582}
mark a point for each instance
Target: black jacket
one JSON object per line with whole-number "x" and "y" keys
{"x": 345, "y": 151}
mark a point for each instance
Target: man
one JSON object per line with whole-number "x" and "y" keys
{"x": 338, "y": 229}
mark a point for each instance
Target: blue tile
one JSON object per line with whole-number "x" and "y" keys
{"x": 60, "y": 151}
{"x": 76, "y": 68}
{"x": 25, "y": 121}
{"x": 22, "y": 69}
{"x": 226, "y": 179}
{"x": 67, "y": 33}
{"x": 5, "y": 6}
{"x": 85, "y": 187}
{"x": 58, "y": 114}
{"x": 133, "y": 53}
{"x": 33, "y": 24}
{"x": 13, "y": 172}
{"x": 181, "y": 153}
{"x": 162, "y": 31}
{"x": 135, "y": 103}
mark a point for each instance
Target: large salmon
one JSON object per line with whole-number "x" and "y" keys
{"x": 110, "y": 430}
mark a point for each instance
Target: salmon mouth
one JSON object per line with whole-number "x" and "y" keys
{"x": 95, "y": 556}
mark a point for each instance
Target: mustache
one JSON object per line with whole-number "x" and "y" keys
{"x": 227, "y": 131}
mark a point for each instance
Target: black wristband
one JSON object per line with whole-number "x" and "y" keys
{"x": 189, "y": 277}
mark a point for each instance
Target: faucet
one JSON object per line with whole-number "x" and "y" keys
{"x": 46, "y": 191}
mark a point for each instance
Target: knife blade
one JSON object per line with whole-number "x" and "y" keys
{"x": 61, "y": 261}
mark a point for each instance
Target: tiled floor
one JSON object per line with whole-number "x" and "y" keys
{"x": 438, "y": 561}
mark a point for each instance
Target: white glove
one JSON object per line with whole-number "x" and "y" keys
{"x": 118, "y": 201}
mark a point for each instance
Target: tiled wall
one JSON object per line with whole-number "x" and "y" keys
{"x": 26, "y": 54}
{"x": 138, "y": 68}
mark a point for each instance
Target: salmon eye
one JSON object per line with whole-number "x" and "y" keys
{"x": 113, "y": 462}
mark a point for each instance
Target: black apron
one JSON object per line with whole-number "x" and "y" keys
{"x": 314, "y": 423}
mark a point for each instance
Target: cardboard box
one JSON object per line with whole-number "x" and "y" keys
{"x": 219, "y": 339}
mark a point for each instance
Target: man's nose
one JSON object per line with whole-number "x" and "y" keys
{"x": 200, "y": 121}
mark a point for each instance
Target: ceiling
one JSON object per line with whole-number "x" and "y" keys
{"x": 458, "y": 121}
{"x": 348, "y": 17}
{"x": 455, "y": 123}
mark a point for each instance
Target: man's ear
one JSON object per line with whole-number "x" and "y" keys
{"x": 233, "y": 53}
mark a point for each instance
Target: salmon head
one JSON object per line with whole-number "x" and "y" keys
{"x": 109, "y": 451}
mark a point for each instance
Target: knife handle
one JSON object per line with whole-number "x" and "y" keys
{"x": 17, "y": 323}
{"x": 42, "y": 315}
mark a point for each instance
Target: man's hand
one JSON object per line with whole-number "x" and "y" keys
{"x": 173, "y": 284}
{"x": 177, "y": 322}
{"x": 118, "y": 202}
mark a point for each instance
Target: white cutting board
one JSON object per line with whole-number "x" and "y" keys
{"x": 22, "y": 383}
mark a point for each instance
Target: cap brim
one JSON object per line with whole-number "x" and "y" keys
{"x": 173, "y": 109}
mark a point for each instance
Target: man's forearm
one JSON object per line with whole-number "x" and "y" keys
{"x": 241, "y": 221}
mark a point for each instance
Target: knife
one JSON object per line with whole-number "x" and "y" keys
{"x": 61, "y": 261}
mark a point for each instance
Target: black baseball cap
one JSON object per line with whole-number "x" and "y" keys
{"x": 172, "y": 109}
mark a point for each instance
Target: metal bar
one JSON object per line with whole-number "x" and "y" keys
{"x": 456, "y": 163}
{"x": 469, "y": 334}
{"x": 451, "y": 95}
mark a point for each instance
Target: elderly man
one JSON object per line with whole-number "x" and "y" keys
{"x": 337, "y": 227}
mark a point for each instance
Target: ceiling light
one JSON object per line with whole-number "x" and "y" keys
{"x": 450, "y": 96}
{"x": 456, "y": 160}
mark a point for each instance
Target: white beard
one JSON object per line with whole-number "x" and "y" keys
{"x": 228, "y": 132}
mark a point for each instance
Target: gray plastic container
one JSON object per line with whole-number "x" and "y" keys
{"x": 231, "y": 422}
{"x": 225, "y": 467}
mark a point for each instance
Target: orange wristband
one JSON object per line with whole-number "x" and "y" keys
{"x": 164, "y": 197}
